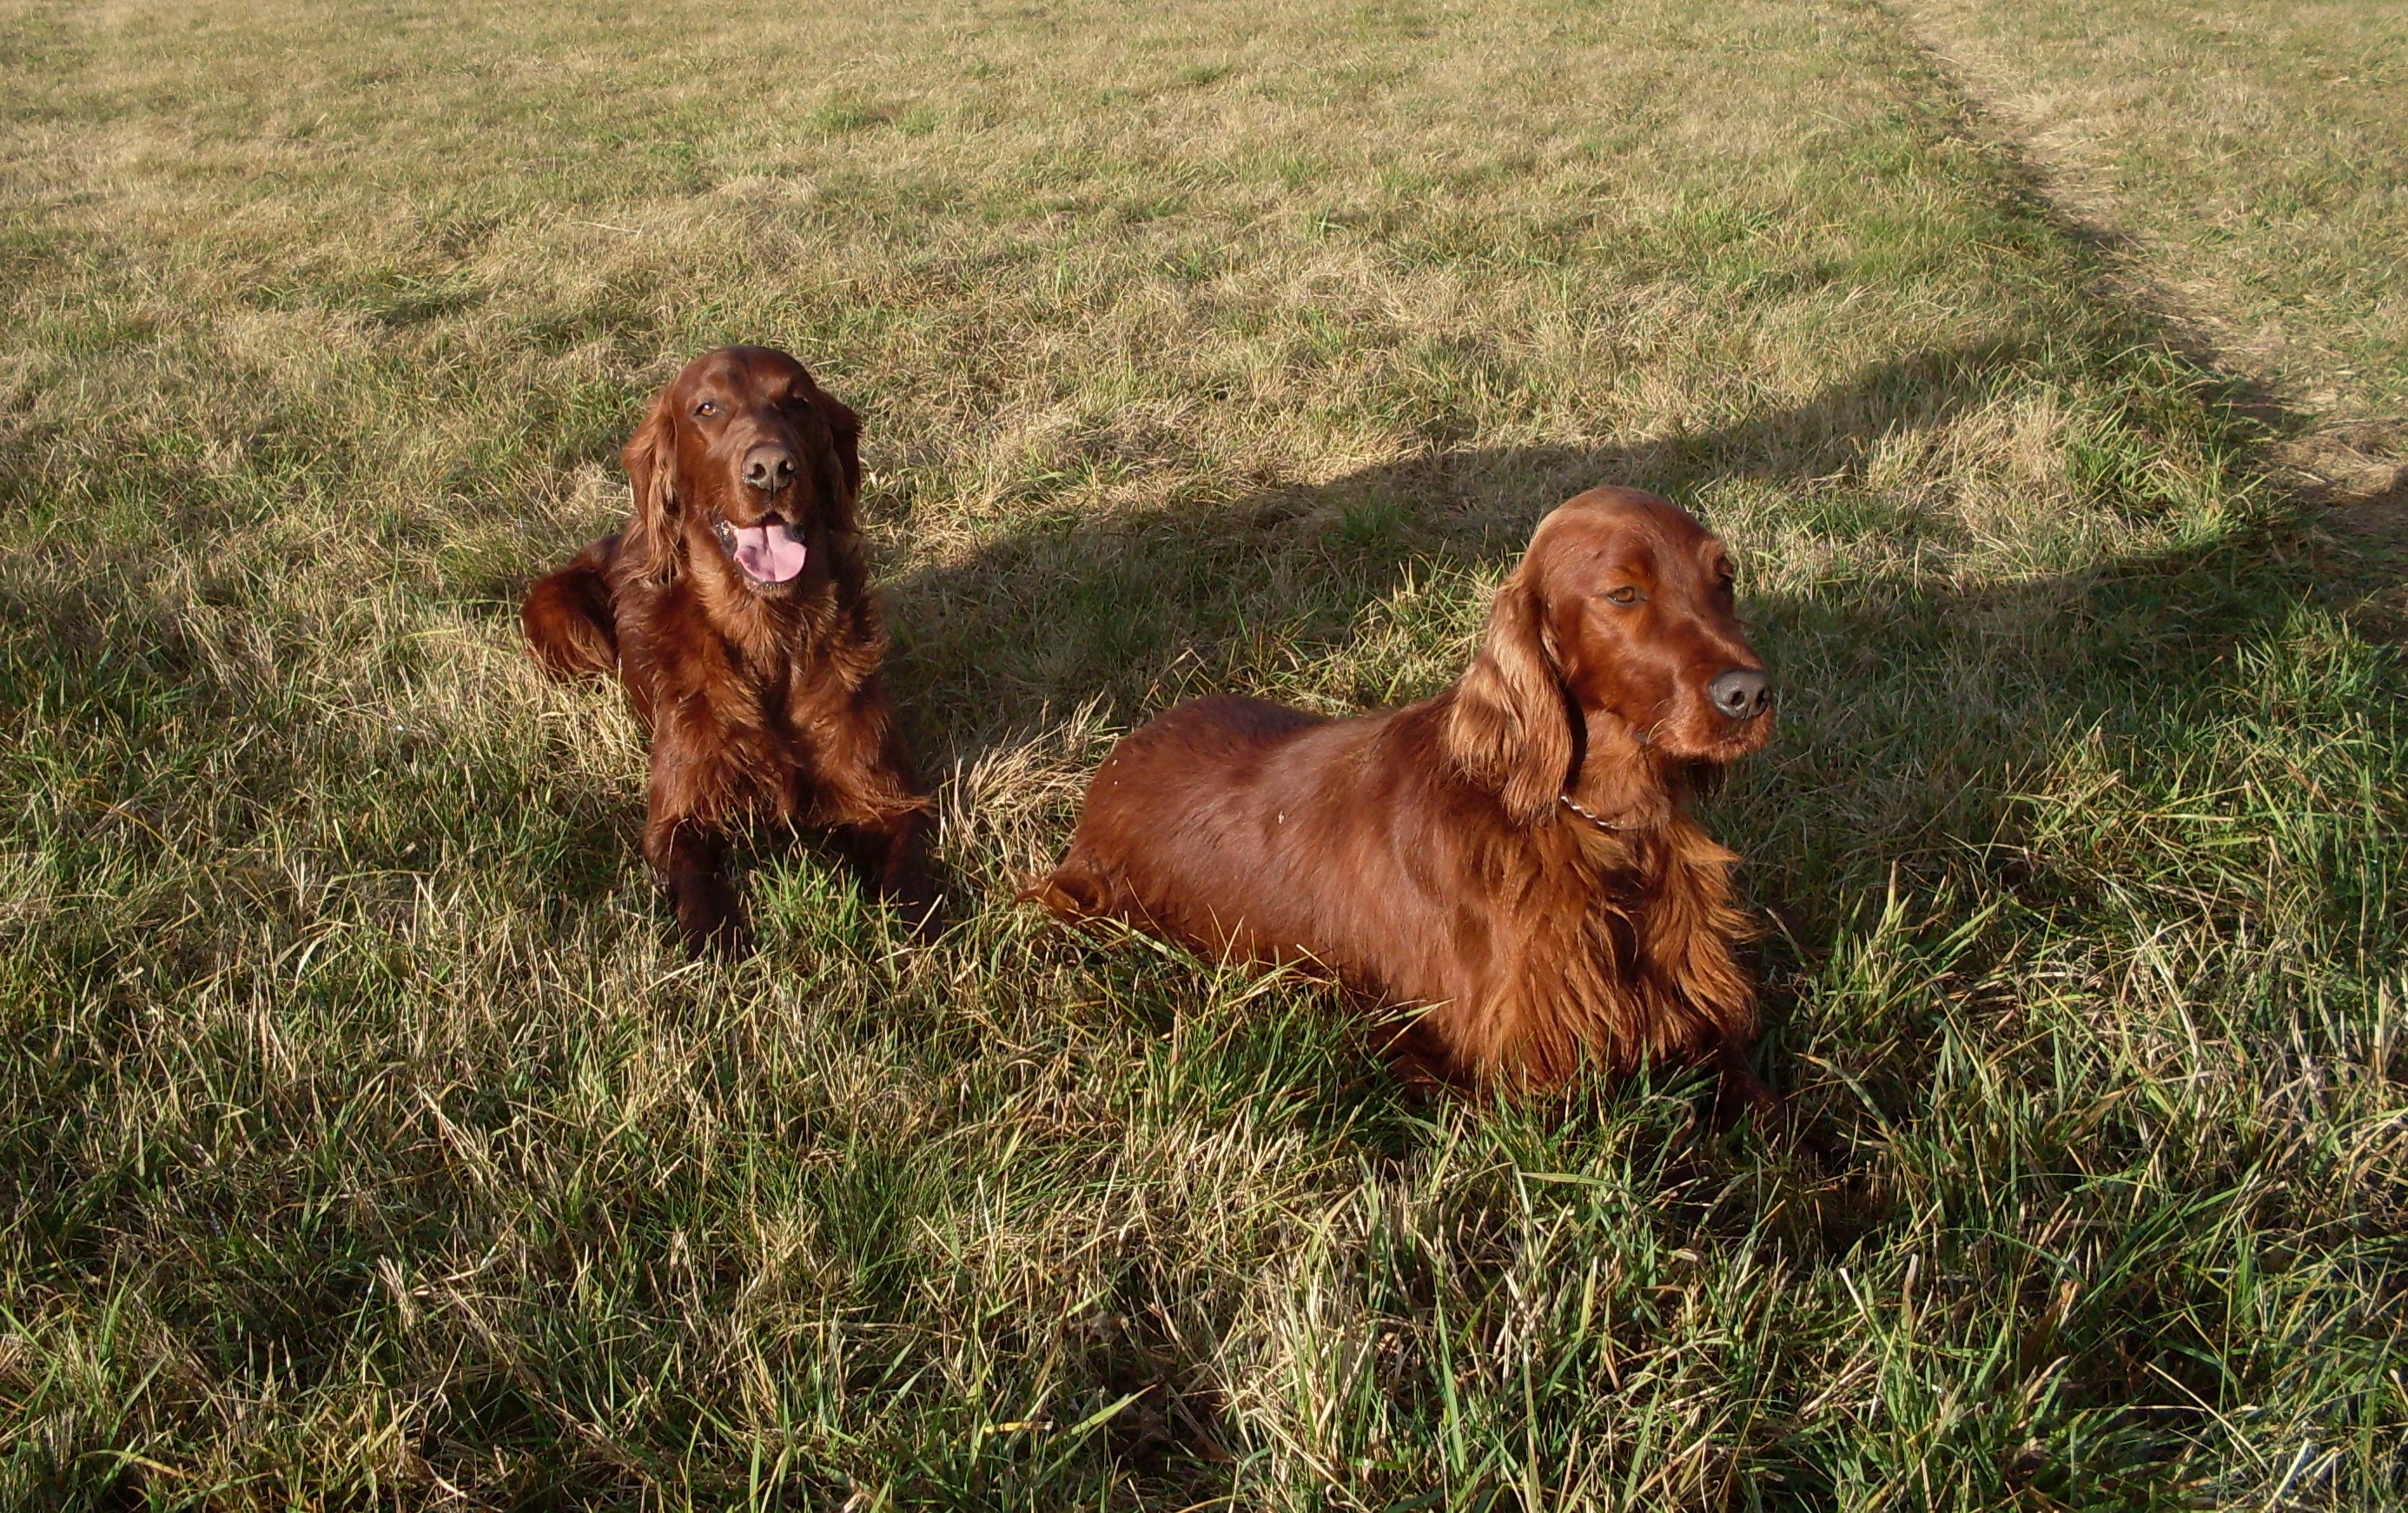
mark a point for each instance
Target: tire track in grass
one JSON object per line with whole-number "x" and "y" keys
{"x": 2090, "y": 133}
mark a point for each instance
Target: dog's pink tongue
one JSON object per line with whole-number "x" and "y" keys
{"x": 769, "y": 553}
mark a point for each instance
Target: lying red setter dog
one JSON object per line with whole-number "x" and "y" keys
{"x": 735, "y": 610}
{"x": 1515, "y": 857}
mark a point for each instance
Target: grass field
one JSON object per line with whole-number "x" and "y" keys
{"x": 369, "y": 1143}
{"x": 2251, "y": 159}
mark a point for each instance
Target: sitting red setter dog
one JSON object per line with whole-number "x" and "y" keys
{"x": 735, "y": 611}
{"x": 1515, "y": 856}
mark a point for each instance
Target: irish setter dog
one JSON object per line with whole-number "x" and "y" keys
{"x": 734, "y": 609}
{"x": 1514, "y": 858}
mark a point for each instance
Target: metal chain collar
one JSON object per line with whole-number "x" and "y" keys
{"x": 1594, "y": 817}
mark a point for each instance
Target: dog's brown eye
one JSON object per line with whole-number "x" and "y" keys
{"x": 1624, "y": 595}
{"x": 707, "y": 408}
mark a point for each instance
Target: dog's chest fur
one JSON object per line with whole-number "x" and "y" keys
{"x": 756, "y": 676}
{"x": 1624, "y": 956}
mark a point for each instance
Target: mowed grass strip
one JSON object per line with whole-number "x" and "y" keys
{"x": 368, "y": 1142}
{"x": 2251, "y": 158}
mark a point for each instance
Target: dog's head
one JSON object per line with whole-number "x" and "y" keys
{"x": 746, "y": 463}
{"x": 1616, "y": 639}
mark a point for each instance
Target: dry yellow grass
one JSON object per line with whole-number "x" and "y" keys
{"x": 2250, "y": 158}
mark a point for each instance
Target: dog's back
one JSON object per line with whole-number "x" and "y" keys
{"x": 1249, "y": 830}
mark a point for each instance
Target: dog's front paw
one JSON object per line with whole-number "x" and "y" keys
{"x": 708, "y": 914}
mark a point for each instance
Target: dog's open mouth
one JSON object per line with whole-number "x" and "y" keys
{"x": 770, "y": 552}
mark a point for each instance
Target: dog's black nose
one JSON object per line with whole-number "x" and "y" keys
{"x": 769, "y": 467}
{"x": 1742, "y": 692}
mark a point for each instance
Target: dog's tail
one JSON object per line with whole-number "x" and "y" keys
{"x": 571, "y": 622}
{"x": 1069, "y": 894}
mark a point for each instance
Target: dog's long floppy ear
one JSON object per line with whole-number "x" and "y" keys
{"x": 1510, "y": 730}
{"x": 840, "y": 512}
{"x": 654, "y": 537}
{"x": 846, "y": 427}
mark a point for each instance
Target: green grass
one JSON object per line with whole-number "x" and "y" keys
{"x": 369, "y": 1143}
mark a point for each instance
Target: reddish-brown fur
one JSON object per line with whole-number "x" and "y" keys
{"x": 763, "y": 697}
{"x": 1428, "y": 856}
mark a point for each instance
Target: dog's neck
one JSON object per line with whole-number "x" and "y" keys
{"x": 1619, "y": 785}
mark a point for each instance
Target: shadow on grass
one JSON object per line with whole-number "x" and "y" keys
{"x": 1915, "y": 718}
{"x": 1132, "y": 607}
{"x": 1906, "y": 708}
{"x": 1920, "y": 719}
